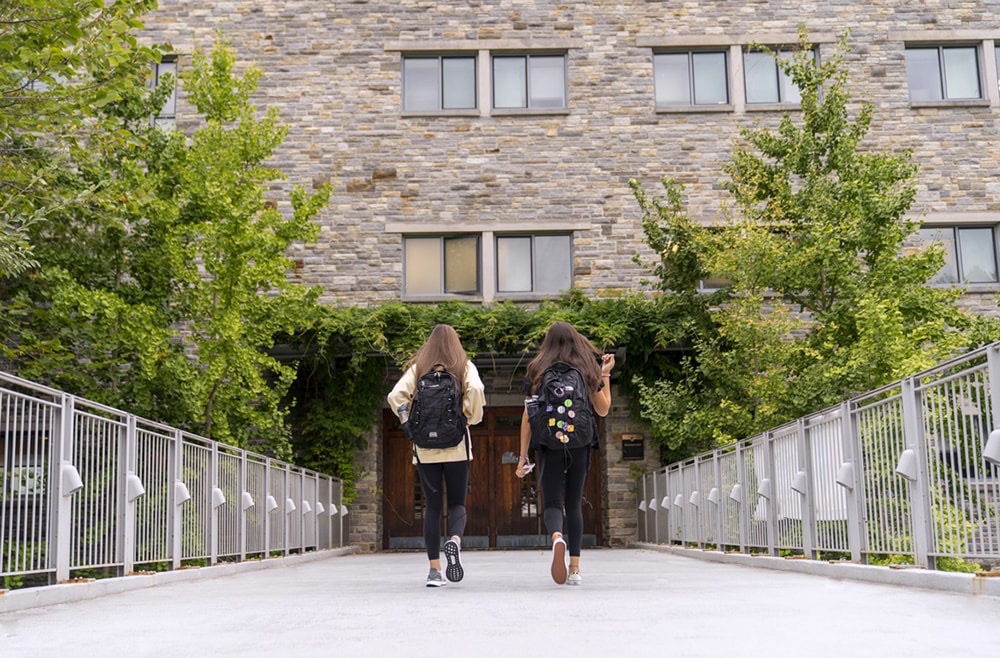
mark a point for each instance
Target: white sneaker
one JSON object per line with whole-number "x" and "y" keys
{"x": 574, "y": 578}
{"x": 559, "y": 561}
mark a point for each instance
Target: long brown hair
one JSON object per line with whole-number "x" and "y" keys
{"x": 443, "y": 348}
{"x": 564, "y": 343}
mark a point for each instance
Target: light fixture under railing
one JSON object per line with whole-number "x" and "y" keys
{"x": 343, "y": 510}
{"x": 133, "y": 487}
{"x": 271, "y": 504}
{"x": 695, "y": 498}
{"x": 306, "y": 507}
{"x": 69, "y": 479}
{"x": 845, "y": 475}
{"x": 713, "y": 496}
{"x": 665, "y": 502}
{"x": 218, "y": 498}
{"x": 764, "y": 488}
{"x": 642, "y": 506}
{"x": 333, "y": 509}
{"x": 319, "y": 508}
{"x": 289, "y": 506}
{"x": 800, "y": 483}
{"x": 181, "y": 493}
{"x": 652, "y": 504}
{"x": 679, "y": 500}
{"x": 246, "y": 500}
{"x": 737, "y": 493}
{"x": 991, "y": 452}
{"x": 907, "y": 465}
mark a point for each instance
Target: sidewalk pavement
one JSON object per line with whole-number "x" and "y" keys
{"x": 633, "y": 602}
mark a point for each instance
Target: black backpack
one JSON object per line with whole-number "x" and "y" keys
{"x": 436, "y": 419}
{"x": 560, "y": 413}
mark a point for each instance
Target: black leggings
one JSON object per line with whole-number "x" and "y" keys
{"x": 455, "y": 478}
{"x": 563, "y": 474}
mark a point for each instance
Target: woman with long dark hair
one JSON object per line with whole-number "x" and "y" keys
{"x": 442, "y": 469}
{"x": 563, "y": 472}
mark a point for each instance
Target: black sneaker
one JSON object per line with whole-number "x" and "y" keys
{"x": 453, "y": 554}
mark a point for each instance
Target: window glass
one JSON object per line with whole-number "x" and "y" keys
{"x": 547, "y": 86}
{"x": 461, "y": 264}
{"x": 710, "y": 79}
{"x": 420, "y": 84}
{"x": 459, "y": 78}
{"x": 514, "y": 264}
{"x": 977, "y": 255}
{"x": 996, "y": 54}
{"x": 923, "y": 74}
{"x": 761, "y": 74}
{"x": 961, "y": 73}
{"x": 510, "y": 82}
{"x": 162, "y": 69}
{"x": 946, "y": 237}
{"x": 552, "y": 266}
{"x": 422, "y": 262}
{"x": 789, "y": 92}
{"x": 671, "y": 80}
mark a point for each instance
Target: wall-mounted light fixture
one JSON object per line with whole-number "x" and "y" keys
{"x": 713, "y": 496}
{"x": 246, "y": 500}
{"x": 695, "y": 498}
{"x": 306, "y": 507}
{"x": 271, "y": 504}
{"x": 800, "y": 482}
{"x": 737, "y": 493}
{"x": 642, "y": 506}
{"x": 289, "y": 506}
{"x": 218, "y": 498}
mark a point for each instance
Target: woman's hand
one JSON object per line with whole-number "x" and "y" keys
{"x": 521, "y": 461}
{"x": 607, "y": 364}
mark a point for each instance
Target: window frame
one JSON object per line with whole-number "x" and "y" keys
{"x": 534, "y": 292}
{"x": 528, "y": 55}
{"x": 165, "y": 119}
{"x": 783, "y": 80}
{"x": 955, "y": 257}
{"x": 940, "y": 48}
{"x": 442, "y": 292}
{"x": 692, "y": 104}
{"x": 440, "y": 57}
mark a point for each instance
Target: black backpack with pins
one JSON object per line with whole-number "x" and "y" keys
{"x": 435, "y": 417}
{"x": 560, "y": 413}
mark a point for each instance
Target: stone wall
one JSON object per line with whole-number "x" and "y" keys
{"x": 333, "y": 70}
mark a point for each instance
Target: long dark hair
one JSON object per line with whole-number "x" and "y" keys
{"x": 443, "y": 348}
{"x": 564, "y": 343}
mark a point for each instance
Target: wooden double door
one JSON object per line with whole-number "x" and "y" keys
{"x": 503, "y": 511}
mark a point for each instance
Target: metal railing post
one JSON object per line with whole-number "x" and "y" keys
{"x": 213, "y": 511}
{"x": 743, "y": 504}
{"x": 285, "y": 511}
{"x": 176, "y": 506}
{"x": 128, "y": 507}
{"x": 920, "y": 501}
{"x": 807, "y": 499}
{"x": 240, "y": 511}
{"x": 854, "y": 484}
{"x": 62, "y": 524}
{"x": 993, "y": 373}
{"x": 720, "y": 504}
{"x": 267, "y": 508}
{"x": 696, "y": 503}
{"x": 771, "y": 505}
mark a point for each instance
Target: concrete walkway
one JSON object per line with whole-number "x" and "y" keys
{"x": 633, "y": 602}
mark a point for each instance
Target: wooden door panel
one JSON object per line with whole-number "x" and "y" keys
{"x": 502, "y": 510}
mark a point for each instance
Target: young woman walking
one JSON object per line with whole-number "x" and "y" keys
{"x": 443, "y": 471}
{"x": 564, "y": 470}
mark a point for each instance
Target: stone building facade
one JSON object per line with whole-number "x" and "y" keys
{"x": 519, "y": 158}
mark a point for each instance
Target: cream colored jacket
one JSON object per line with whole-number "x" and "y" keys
{"x": 472, "y": 406}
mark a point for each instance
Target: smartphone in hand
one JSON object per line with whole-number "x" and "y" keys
{"x": 528, "y": 468}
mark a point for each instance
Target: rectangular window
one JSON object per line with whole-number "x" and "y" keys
{"x": 534, "y": 263}
{"x": 970, "y": 253}
{"x": 937, "y": 73}
{"x": 690, "y": 78}
{"x": 529, "y": 81}
{"x": 765, "y": 81}
{"x": 436, "y": 265}
{"x": 168, "y": 114}
{"x": 439, "y": 83}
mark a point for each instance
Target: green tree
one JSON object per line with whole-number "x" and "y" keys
{"x": 824, "y": 299}
{"x": 60, "y": 62}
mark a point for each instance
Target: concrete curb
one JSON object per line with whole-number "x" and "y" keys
{"x": 945, "y": 581}
{"x": 37, "y": 597}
